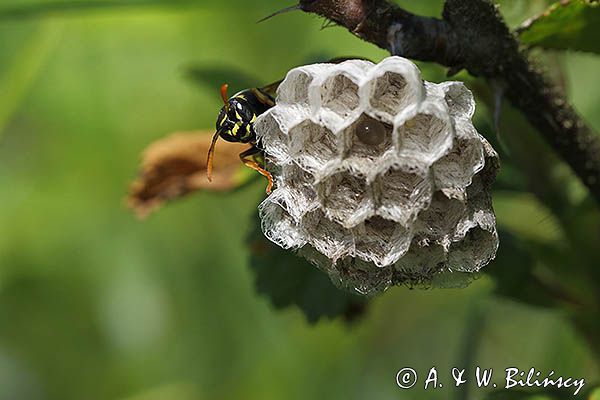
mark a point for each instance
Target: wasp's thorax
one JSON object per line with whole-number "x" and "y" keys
{"x": 235, "y": 121}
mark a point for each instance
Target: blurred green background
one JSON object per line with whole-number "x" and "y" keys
{"x": 95, "y": 304}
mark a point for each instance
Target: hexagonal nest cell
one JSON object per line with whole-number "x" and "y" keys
{"x": 459, "y": 99}
{"x": 367, "y": 138}
{"x": 298, "y": 92}
{"x": 423, "y": 260}
{"x": 327, "y": 236}
{"x": 312, "y": 145}
{"x": 381, "y": 241}
{"x": 390, "y": 94}
{"x": 425, "y": 136}
{"x": 294, "y": 201}
{"x": 345, "y": 198}
{"x": 279, "y": 227}
{"x": 340, "y": 95}
{"x": 275, "y": 145}
{"x": 401, "y": 195}
{"x": 441, "y": 217}
{"x": 381, "y": 178}
{"x": 456, "y": 169}
{"x": 301, "y": 182}
{"x": 474, "y": 251}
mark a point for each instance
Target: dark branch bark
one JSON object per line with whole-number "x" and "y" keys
{"x": 472, "y": 35}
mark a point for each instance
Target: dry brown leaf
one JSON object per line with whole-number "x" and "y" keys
{"x": 175, "y": 166}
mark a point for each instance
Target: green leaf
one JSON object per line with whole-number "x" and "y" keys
{"x": 512, "y": 273}
{"x": 287, "y": 279}
{"x": 566, "y": 25}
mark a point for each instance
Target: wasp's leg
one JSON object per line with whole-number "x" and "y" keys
{"x": 263, "y": 97}
{"x": 253, "y": 158}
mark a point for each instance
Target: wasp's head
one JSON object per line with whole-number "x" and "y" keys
{"x": 235, "y": 119}
{"x": 234, "y": 123}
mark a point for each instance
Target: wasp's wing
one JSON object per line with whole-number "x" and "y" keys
{"x": 271, "y": 88}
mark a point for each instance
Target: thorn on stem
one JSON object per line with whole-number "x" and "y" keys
{"x": 282, "y": 11}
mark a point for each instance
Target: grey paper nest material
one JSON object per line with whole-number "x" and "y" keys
{"x": 380, "y": 178}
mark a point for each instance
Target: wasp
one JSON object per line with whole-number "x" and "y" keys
{"x": 235, "y": 123}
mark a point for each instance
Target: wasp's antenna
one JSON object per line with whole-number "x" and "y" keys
{"x": 224, "y": 88}
{"x": 211, "y": 155}
{"x": 211, "y": 150}
{"x": 282, "y": 11}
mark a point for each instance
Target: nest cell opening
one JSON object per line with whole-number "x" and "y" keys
{"x": 459, "y": 99}
{"x": 345, "y": 198}
{"x": 275, "y": 144}
{"x": 300, "y": 190}
{"x": 422, "y": 261}
{"x": 295, "y": 90}
{"x": 381, "y": 241}
{"x": 425, "y": 136}
{"x": 279, "y": 227}
{"x": 457, "y": 168}
{"x": 340, "y": 95}
{"x": 474, "y": 251}
{"x": 300, "y": 180}
{"x": 390, "y": 94}
{"x": 312, "y": 145}
{"x": 441, "y": 217}
{"x": 327, "y": 236}
{"x": 402, "y": 195}
{"x": 367, "y": 138}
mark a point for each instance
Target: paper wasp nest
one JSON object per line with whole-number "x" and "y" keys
{"x": 380, "y": 178}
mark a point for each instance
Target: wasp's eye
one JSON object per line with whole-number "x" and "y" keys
{"x": 226, "y": 127}
{"x": 221, "y": 119}
{"x": 246, "y": 114}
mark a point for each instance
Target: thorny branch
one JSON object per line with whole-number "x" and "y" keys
{"x": 472, "y": 35}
